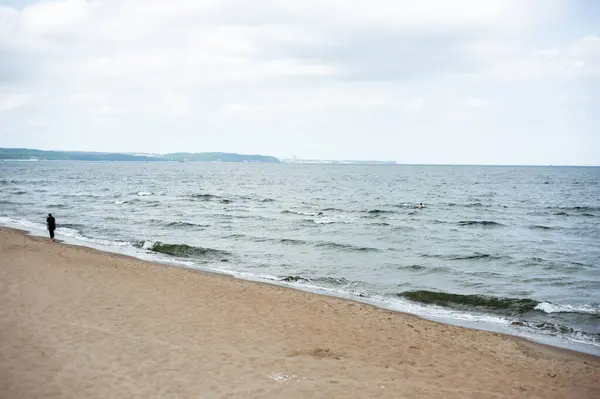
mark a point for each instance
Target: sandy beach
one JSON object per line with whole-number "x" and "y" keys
{"x": 80, "y": 323}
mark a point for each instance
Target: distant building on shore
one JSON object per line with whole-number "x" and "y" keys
{"x": 334, "y": 162}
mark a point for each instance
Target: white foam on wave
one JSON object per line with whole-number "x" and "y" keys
{"x": 437, "y": 312}
{"x": 301, "y": 213}
{"x": 73, "y": 236}
{"x": 323, "y": 221}
{"x": 148, "y": 245}
{"x": 22, "y": 224}
{"x": 548, "y": 307}
{"x": 119, "y": 202}
{"x": 332, "y": 220}
{"x": 144, "y": 193}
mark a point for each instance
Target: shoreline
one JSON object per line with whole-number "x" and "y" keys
{"x": 505, "y": 329}
{"x": 80, "y": 322}
{"x": 557, "y": 350}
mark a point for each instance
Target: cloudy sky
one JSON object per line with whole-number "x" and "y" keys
{"x": 428, "y": 81}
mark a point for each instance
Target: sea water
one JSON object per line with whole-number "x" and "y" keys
{"x": 508, "y": 249}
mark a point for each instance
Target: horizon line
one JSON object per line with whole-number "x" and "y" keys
{"x": 283, "y": 159}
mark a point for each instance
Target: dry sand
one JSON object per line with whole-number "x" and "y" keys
{"x": 80, "y": 323}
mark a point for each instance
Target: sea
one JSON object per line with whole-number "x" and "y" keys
{"x": 509, "y": 249}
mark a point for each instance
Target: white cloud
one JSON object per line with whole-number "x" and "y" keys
{"x": 579, "y": 59}
{"x": 415, "y": 105}
{"x": 265, "y": 74}
{"x": 34, "y": 123}
{"x": 11, "y": 102}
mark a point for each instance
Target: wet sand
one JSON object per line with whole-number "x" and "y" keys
{"x": 80, "y": 323}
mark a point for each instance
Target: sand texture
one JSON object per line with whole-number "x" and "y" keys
{"x": 79, "y": 323}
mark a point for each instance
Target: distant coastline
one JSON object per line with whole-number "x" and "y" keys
{"x": 27, "y": 154}
{"x": 337, "y": 162}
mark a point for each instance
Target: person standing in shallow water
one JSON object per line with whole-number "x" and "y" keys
{"x": 51, "y": 222}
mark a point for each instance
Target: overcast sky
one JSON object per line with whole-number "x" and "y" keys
{"x": 428, "y": 81}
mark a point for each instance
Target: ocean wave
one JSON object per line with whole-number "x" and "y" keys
{"x": 553, "y": 329}
{"x": 236, "y": 236}
{"x": 229, "y": 216}
{"x": 186, "y": 224}
{"x": 206, "y": 197}
{"x": 293, "y": 241}
{"x": 293, "y": 279}
{"x": 548, "y": 307}
{"x": 412, "y": 267}
{"x": 20, "y": 192}
{"x": 144, "y": 193}
{"x": 470, "y": 205}
{"x": 539, "y": 227}
{"x": 346, "y": 247}
{"x": 186, "y": 251}
{"x": 379, "y": 211}
{"x": 473, "y": 256}
{"x": 58, "y": 206}
{"x": 301, "y": 213}
{"x": 588, "y": 211}
{"x": 485, "y": 223}
{"x": 489, "y": 303}
{"x": 323, "y": 221}
{"x": 405, "y": 205}
{"x": 72, "y": 226}
{"x": 327, "y": 281}
{"x": 332, "y": 210}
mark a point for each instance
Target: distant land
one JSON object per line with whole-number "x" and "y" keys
{"x": 31, "y": 154}
{"x": 337, "y": 162}
{"x": 28, "y": 154}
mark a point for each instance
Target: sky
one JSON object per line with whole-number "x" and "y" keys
{"x": 428, "y": 81}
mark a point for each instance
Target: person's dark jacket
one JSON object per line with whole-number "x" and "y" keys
{"x": 51, "y": 223}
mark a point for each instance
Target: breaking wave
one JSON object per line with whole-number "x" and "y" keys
{"x": 493, "y": 304}
{"x": 548, "y": 307}
{"x": 489, "y": 303}
{"x": 186, "y": 251}
{"x": 287, "y": 211}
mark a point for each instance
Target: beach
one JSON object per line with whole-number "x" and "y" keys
{"x": 476, "y": 255}
{"x": 76, "y": 322}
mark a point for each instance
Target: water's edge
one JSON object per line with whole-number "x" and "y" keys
{"x": 378, "y": 302}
